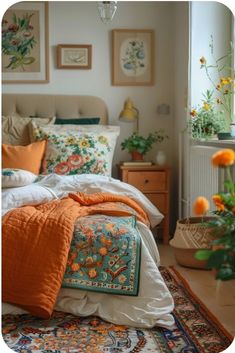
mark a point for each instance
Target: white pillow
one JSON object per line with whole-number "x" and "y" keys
{"x": 12, "y": 178}
{"x": 75, "y": 149}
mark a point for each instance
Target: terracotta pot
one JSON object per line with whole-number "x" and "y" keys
{"x": 136, "y": 156}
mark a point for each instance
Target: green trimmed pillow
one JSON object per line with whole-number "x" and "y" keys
{"x": 12, "y": 178}
{"x": 78, "y": 121}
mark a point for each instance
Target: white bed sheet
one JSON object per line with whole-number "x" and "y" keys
{"x": 153, "y": 305}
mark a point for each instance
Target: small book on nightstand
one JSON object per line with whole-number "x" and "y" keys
{"x": 137, "y": 163}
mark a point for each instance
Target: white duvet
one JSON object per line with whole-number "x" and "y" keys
{"x": 153, "y": 305}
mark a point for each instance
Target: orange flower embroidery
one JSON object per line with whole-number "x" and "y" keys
{"x": 103, "y": 251}
{"x": 62, "y": 168}
{"x": 75, "y": 161}
{"x": 92, "y": 273}
{"x": 75, "y": 267}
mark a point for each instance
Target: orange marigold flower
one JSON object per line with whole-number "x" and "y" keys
{"x": 201, "y": 206}
{"x": 193, "y": 113}
{"x": 218, "y": 202}
{"x": 202, "y": 60}
{"x": 217, "y": 198}
{"x": 223, "y": 158}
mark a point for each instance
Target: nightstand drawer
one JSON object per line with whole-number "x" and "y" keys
{"x": 154, "y": 182}
{"x": 159, "y": 200}
{"x": 148, "y": 180}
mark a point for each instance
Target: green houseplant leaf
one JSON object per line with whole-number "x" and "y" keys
{"x": 142, "y": 144}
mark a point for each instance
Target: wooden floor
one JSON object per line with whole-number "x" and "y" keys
{"x": 218, "y": 296}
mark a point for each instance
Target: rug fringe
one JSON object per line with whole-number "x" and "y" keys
{"x": 204, "y": 307}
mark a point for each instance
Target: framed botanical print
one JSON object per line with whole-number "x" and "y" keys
{"x": 132, "y": 57}
{"x": 72, "y": 56}
{"x": 25, "y": 43}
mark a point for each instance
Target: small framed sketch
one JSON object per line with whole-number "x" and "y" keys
{"x": 133, "y": 57}
{"x": 72, "y": 56}
{"x": 25, "y": 43}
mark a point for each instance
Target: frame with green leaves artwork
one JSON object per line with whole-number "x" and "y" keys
{"x": 133, "y": 57}
{"x": 25, "y": 43}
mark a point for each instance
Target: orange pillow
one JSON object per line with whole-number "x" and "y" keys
{"x": 24, "y": 157}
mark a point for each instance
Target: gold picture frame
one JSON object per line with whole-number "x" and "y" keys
{"x": 25, "y": 43}
{"x": 132, "y": 57}
{"x": 73, "y": 56}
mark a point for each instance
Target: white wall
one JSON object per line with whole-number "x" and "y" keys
{"x": 78, "y": 22}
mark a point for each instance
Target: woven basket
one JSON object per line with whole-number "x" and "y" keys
{"x": 191, "y": 234}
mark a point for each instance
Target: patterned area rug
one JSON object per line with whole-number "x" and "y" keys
{"x": 196, "y": 330}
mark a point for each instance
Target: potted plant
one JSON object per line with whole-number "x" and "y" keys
{"x": 214, "y": 116}
{"x": 139, "y": 145}
{"x": 221, "y": 255}
{"x": 205, "y": 120}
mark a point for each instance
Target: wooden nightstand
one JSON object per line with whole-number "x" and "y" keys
{"x": 153, "y": 181}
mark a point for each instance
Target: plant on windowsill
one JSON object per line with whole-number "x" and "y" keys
{"x": 139, "y": 145}
{"x": 214, "y": 116}
{"x": 205, "y": 121}
{"x": 221, "y": 255}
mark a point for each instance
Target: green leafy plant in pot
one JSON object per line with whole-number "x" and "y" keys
{"x": 139, "y": 145}
{"x": 205, "y": 120}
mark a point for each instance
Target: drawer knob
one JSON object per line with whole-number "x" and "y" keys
{"x": 146, "y": 181}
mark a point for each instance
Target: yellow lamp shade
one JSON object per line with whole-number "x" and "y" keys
{"x": 129, "y": 112}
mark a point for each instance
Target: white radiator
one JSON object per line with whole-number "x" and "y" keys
{"x": 197, "y": 176}
{"x": 205, "y": 180}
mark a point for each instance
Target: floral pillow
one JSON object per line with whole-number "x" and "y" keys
{"x": 16, "y": 177}
{"x": 73, "y": 149}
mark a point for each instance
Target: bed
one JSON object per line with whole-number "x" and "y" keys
{"x": 106, "y": 207}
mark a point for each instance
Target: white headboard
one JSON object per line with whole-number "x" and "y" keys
{"x": 49, "y": 105}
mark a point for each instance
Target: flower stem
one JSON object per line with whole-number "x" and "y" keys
{"x": 230, "y": 184}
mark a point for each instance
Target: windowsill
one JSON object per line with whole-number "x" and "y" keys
{"x": 213, "y": 142}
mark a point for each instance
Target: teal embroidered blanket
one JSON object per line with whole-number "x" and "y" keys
{"x": 104, "y": 255}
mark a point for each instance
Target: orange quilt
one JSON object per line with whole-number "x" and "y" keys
{"x": 36, "y": 242}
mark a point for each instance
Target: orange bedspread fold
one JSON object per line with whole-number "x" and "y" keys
{"x": 36, "y": 241}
